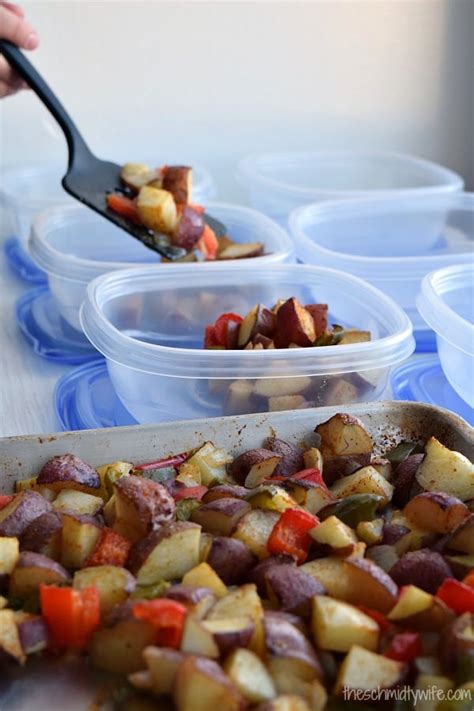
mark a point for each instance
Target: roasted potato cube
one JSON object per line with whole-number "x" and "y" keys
{"x": 271, "y": 498}
{"x": 312, "y": 496}
{"x": 204, "y": 576}
{"x": 238, "y": 400}
{"x": 336, "y": 534}
{"x": 288, "y": 649}
{"x": 424, "y": 568}
{"x": 162, "y": 666}
{"x": 291, "y": 589}
{"x": 231, "y": 632}
{"x": 411, "y": 601}
{"x": 157, "y": 209}
{"x": 43, "y": 535}
{"x": 254, "y": 530}
{"x": 243, "y": 250}
{"x": 80, "y": 535}
{"x": 364, "y": 481}
{"x": 136, "y": 175}
{"x": 16, "y": 516}
{"x": 258, "y": 320}
{"x": 141, "y": 506}
{"x": 221, "y": 517}
{"x": 435, "y": 511}
{"x": 9, "y": 554}
{"x": 294, "y": 324}
{"x": 212, "y": 463}
{"x": 201, "y": 685}
{"x": 462, "y": 538}
{"x": 250, "y": 676}
{"x": 114, "y": 584}
{"x": 198, "y": 639}
{"x": 67, "y": 471}
{"x": 281, "y": 387}
{"x": 345, "y": 435}
{"x": 243, "y": 602}
{"x": 33, "y": 632}
{"x": 231, "y": 559}
{"x": 337, "y": 626}
{"x": 445, "y": 470}
{"x": 119, "y": 648}
{"x": 198, "y": 600}
{"x": 251, "y": 461}
{"x": 178, "y": 180}
{"x": 9, "y": 638}
{"x": 166, "y": 554}
{"x": 362, "y": 669}
{"x": 313, "y": 459}
{"x": 77, "y": 501}
{"x": 31, "y": 570}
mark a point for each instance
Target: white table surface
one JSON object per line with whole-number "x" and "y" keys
{"x": 26, "y": 380}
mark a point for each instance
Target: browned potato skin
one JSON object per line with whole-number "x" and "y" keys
{"x": 337, "y": 467}
{"x": 242, "y": 464}
{"x": 392, "y": 532}
{"x": 258, "y": 574}
{"x": 33, "y": 633}
{"x": 462, "y": 538}
{"x": 436, "y": 511}
{"x": 292, "y": 589}
{"x": 457, "y": 640}
{"x": 67, "y": 470}
{"x": 292, "y": 457}
{"x": 190, "y": 597}
{"x": 284, "y": 640}
{"x": 224, "y": 491}
{"x": 234, "y": 635}
{"x": 424, "y": 568}
{"x": 152, "y": 503}
{"x": 190, "y": 228}
{"x": 258, "y": 320}
{"x": 231, "y": 559}
{"x": 330, "y": 433}
{"x": 31, "y": 570}
{"x": 143, "y": 548}
{"x": 25, "y": 508}
{"x": 176, "y": 181}
{"x": 119, "y": 647}
{"x": 42, "y": 535}
{"x": 319, "y": 313}
{"x": 404, "y": 479}
{"x": 294, "y": 324}
{"x": 220, "y": 517}
{"x": 371, "y": 586}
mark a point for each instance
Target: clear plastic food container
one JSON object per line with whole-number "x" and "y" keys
{"x": 446, "y": 302}
{"x": 73, "y": 245}
{"x": 28, "y": 190}
{"x": 391, "y": 242}
{"x": 280, "y": 182}
{"x": 151, "y": 333}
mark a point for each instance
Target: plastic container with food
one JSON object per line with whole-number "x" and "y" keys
{"x": 151, "y": 332}
{"x": 391, "y": 242}
{"x": 277, "y": 183}
{"x": 73, "y": 245}
{"x": 446, "y": 303}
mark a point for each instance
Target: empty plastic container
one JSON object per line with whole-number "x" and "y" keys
{"x": 73, "y": 246}
{"x": 277, "y": 183}
{"x": 151, "y": 333}
{"x": 391, "y": 242}
{"x": 446, "y": 303}
{"x": 30, "y": 189}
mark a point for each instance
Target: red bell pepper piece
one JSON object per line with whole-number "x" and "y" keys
{"x": 404, "y": 647}
{"x": 191, "y": 492}
{"x": 290, "y": 534}
{"x": 312, "y": 475}
{"x": 166, "y": 616}
{"x": 123, "y": 206}
{"x": 71, "y": 615}
{"x": 5, "y": 500}
{"x": 208, "y": 243}
{"x": 222, "y": 324}
{"x": 458, "y": 596}
{"x": 110, "y": 549}
{"x": 197, "y": 208}
{"x": 469, "y": 579}
{"x": 210, "y": 337}
{"x": 384, "y": 624}
{"x": 174, "y": 461}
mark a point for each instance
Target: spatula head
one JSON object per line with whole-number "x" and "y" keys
{"x": 90, "y": 180}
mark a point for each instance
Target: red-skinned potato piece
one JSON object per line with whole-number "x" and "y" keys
{"x": 436, "y": 511}
{"x": 319, "y": 314}
{"x": 258, "y": 320}
{"x": 224, "y": 491}
{"x": 292, "y": 459}
{"x": 33, "y": 633}
{"x": 43, "y": 535}
{"x": 462, "y": 537}
{"x": 24, "y": 508}
{"x": 141, "y": 506}
{"x": 31, "y": 570}
{"x": 294, "y": 324}
{"x": 370, "y": 585}
{"x": 338, "y": 467}
{"x": 198, "y": 600}
{"x": 202, "y": 685}
{"x": 404, "y": 479}
{"x": 67, "y": 471}
{"x": 231, "y": 633}
{"x": 189, "y": 229}
{"x": 258, "y": 574}
{"x": 291, "y": 589}
{"x": 237, "y": 250}
{"x": 288, "y": 648}
{"x": 177, "y": 179}
{"x": 424, "y": 568}
{"x": 231, "y": 559}
{"x": 241, "y": 466}
{"x": 220, "y": 517}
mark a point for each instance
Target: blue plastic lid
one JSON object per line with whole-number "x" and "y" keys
{"x": 422, "y": 379}
{"x": 48, "y": 333}
{"x": 21, "y": 263}
{"x": 85, "y": 399}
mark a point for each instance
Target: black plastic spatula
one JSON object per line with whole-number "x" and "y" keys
{"x": 88, "y": 178}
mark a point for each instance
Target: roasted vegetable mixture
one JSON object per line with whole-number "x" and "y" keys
{"x": 287, "y": 324}
{"x": 277, "y": 580}
{"x": 160, "y": 200}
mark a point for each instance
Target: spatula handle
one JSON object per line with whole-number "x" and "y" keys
{"x": 16, "y": 59}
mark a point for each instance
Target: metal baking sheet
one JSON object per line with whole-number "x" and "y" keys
{"x": 74, "y": 686}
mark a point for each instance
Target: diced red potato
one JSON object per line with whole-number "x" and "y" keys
{"x": 424, "y": 568}
{"x": 436, "y": 511}
{"x": 21, "y": 511}
{"x": 67, "y": 471}
{"x": 231, "y": 559}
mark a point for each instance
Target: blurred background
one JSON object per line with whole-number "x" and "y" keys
{"x": 209, "y": 82}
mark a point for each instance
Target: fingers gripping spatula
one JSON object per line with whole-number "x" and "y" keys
{"x": 89, "y": 179}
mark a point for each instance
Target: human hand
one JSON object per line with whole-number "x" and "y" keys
{"x": 15, "y": 28}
